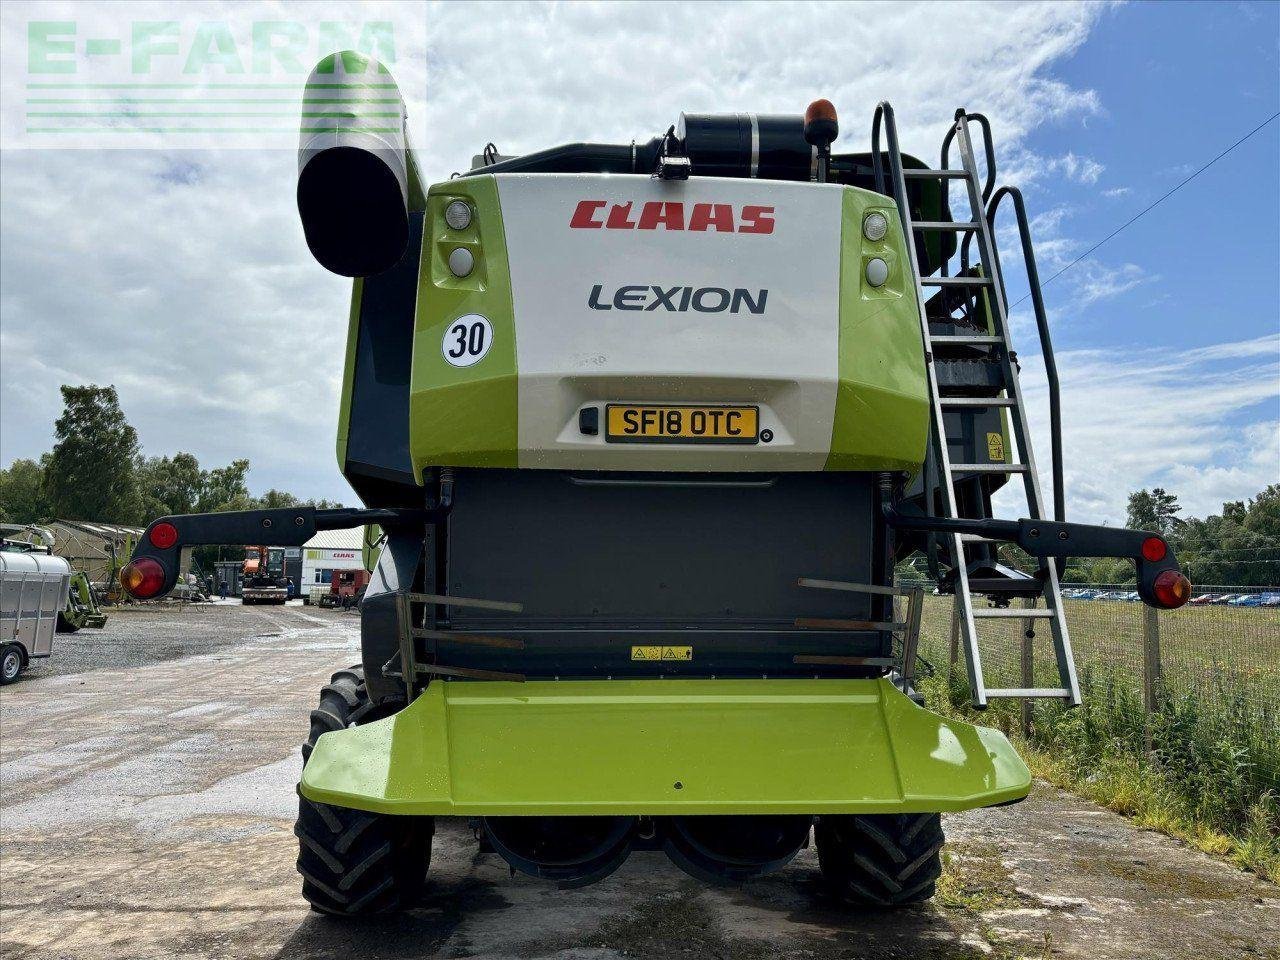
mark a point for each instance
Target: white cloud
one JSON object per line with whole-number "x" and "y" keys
{"x": 1202, "y": 422}
{"x": 1116, "y": 192}
{"x": 1093, "y": 281}
{"x": 1031, "y": 169}
{"x": 183, "y": 277}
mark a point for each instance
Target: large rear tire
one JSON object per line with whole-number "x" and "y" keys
{"x": 887, "y": 860}
{"x": 355, "y": 863}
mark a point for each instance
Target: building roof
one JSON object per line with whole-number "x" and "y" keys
{"x": 107, "y": 531}
{"x": 352, "y": 539}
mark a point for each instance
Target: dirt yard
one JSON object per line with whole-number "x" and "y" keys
{"x": 146, "y": 809}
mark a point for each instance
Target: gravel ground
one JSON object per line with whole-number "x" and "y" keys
{"x": 147, "y": 812}
{"x": 136, "y": 635}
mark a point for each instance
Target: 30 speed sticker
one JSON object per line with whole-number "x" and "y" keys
{"x": 467, "y": 340}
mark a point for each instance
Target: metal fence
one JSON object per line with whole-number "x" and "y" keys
{"x": 1215, "y": 668}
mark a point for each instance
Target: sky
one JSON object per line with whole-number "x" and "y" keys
{"x": 177, "y": 270}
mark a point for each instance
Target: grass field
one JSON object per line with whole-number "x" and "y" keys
{"x": 1204, "y": 765}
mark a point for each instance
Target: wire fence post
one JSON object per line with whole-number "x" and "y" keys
{"x": 1028, "y": 664}
{"x": 954, "y": 652}
{"x": 1152, "y": 677}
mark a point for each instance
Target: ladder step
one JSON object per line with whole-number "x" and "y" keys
{"x": 943, "y": 340}
{"x": 1060, "y": 693}
{"x": 955, "y": 281}
{"x": 934, "y": 174}
{"x": 988, "y": 468}
{"x": 1013, "y": 613}
{"x": 977, "y": 402}
{"x": 945, "y": 225}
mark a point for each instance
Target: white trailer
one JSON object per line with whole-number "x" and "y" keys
{"x": 34, "y": 589}
{"x": 324, "y": 554}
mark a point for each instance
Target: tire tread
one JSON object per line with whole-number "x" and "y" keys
{"x": 352, "y": 862}
{"x": 882, "y": 860}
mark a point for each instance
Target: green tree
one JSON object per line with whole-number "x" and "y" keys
{"x": 90, "y": 474}
{"x": 22, "y": 495}
{"x": 225, "y": 488}
{"x": 169, "y": 485}
{"x": 1240, "y": 547}
{"x": 1154, "y": 510}
{"x": 274, "y": 499}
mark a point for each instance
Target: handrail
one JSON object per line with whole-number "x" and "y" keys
{"x": 877, "y": 164}
{"x": 988, "y": 149}
{"x": 884, "y": 110}
{"x": 1042, "y": 328}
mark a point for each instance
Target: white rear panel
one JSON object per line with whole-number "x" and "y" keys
{"x": 570, "y": 246}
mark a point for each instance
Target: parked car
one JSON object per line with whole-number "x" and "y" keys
{"x": 1203, "y": 599}
{"x": 1225, "y": 598}
{"x": 1247, "y": 600}
{"x": 1272, "y": 600}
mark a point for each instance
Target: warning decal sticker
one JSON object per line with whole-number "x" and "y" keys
{"x": 657, "y": 652}
{"x": 995, "y": 447}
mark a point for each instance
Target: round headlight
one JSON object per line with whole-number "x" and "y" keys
{"x": 461, "y": 261}
{"x": 875, "y": 226}
{"x": 877, "y": 272}
{"x": 458, "y": 215}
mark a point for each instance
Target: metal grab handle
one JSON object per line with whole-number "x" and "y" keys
{"x": 988, "y": 150}
{"x": 1042, "y": 328}
{"x": 877, "y": 164}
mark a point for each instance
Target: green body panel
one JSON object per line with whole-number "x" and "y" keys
{"x": 348, "y": 372}
{"x": 882, "y": 397}
{"x": 463, "y": 416}
{"x": 664, "y": 747}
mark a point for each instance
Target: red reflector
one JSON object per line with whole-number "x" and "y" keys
{"x": 1154, "y": 549}
{"x": 142, "y": 578}
{"x": 164, "y": 535}
{"x": 1172, "y": 589}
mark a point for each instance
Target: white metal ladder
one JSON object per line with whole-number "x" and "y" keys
{"x": 989, "y": 277}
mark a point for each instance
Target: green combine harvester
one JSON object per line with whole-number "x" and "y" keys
{"x": 647, "y": 427}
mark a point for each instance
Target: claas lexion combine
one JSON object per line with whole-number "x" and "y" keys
{"x": 647, "y": 427}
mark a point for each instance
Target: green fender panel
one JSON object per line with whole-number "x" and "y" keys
{"x": 663, "y": 747}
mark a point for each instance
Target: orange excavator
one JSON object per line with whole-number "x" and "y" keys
{"x": 258, "y": 584}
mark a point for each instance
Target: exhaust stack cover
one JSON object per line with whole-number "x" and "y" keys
{"x": 355, "y": 176}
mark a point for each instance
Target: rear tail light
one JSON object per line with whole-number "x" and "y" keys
{"x": 1154, "y": 549}
{"x": 143, "y": 578}
{"x": 163, "y": 535}
{"x": 1172, "y": 589}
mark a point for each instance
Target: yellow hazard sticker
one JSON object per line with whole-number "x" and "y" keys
{"x": 657, "y": 652}
{"x": 995, "y": 447}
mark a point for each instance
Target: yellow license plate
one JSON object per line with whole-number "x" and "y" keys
{"x": 681, "y": 423}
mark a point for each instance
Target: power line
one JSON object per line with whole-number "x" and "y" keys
{"x": 1155, "y": 204}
